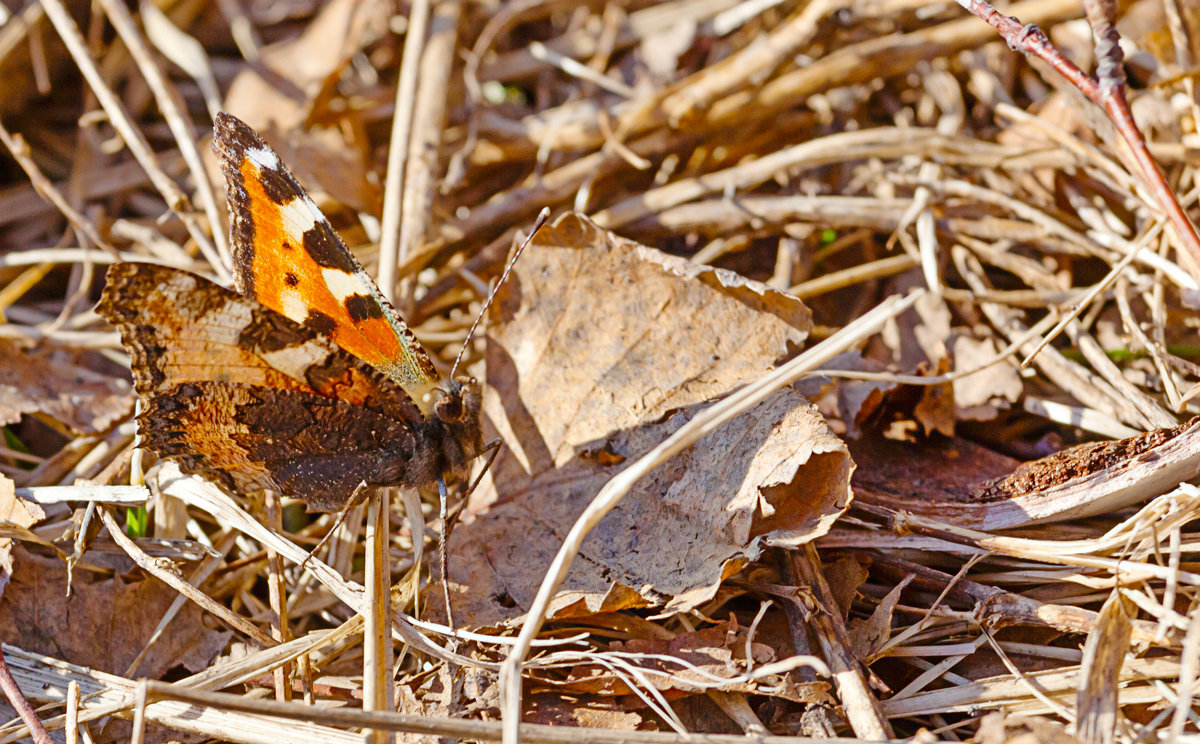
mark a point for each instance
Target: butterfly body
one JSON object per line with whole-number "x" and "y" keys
{"x": 307, "y": 382}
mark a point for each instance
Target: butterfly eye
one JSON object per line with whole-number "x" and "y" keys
{"x": 449, "y": 408}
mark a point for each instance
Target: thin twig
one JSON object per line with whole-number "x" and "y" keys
{"x": 149, "y": 565}
{"x": 17, "y": 699}
{"x": 400, "y": 147}
{"x": 167, "y": 99}
{"x": 377, "y": 638}
{"x": 117, "y": 115}
{"x": 861, "y": 707}
{"x": 456, "y": 728}
{"x": 19, "y": 149}
{"x": 1107, "y": 91}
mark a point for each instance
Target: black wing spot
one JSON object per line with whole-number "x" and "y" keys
{"x": 268, "y": 331}
{"x": 361, "y": 307}
{"x": 278, "y": 184}
{"x": 188, "y": 390}
{"x": 324, "y": 246}
{"x": 320, "y": 322}
{"x": 289, "y": 278}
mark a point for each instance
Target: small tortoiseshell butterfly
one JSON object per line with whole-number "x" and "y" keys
{"x": 308, "y": 382}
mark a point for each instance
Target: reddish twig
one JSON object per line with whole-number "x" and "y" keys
{"x": 18, "y": 701}
{"x": 1106, "y": 90}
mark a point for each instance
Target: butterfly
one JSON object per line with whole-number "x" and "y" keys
{"x": 306, "y": 380}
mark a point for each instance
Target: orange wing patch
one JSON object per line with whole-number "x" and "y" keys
{"x": 289, "y": 258}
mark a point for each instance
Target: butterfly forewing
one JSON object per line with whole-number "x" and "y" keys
{"x": 289, "y": 258}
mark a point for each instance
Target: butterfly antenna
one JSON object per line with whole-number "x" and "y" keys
{"x": 537, "y": 225}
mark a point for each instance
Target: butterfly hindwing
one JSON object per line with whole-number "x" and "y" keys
{"x": 236, "y": 391}
{"x": 311, "y": 447}
{"x": 289, "y": 258}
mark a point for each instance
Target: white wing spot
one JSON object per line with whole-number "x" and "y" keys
{"x": 293, "y": 305}
{"x": 299, "y": 216}
{"x": 263, "y": 157}
{"x": 342, "y": 285}
{"x": 293, "y": 361}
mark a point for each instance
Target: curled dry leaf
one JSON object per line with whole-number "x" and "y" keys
{"x": 598, "y": 349}
{"x": 980, "y": 396}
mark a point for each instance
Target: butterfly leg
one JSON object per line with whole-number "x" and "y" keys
{"x": 491, "y": 449}
{"x": 443, "y": 554}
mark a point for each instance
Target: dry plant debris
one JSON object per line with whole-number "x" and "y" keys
{"x": 970, "y": 517}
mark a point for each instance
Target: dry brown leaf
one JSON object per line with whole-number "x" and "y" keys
{"x": 911, "y": 412}
{"x": 49, "y": 381}
{"x": 433, "y": 695}
{"x": 598, "y": 349}
{"x": 37, "y": 615}
{"x": 684, "y": 528}
{"x": 583, "y": 711}
{"x": 935, "y": 410}
{"x": 923, "y": 339}
{"x": 868, "y": 636}
{"x": 295, "y": 73}
{"x": 845, "y": 576}
{"x": 594, "y": 334}
{"x": 15, "y": 511}
{"x": 982, "y": 395}
{"x": 843, "y": 399}
{"x": 921, "y": 334}
{"x": 660, "y": 51}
